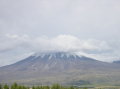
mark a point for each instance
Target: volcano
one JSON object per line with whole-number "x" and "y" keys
{"x": 60, "y": 67}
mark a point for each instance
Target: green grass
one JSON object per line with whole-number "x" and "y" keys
{"x": 54, "y": 86}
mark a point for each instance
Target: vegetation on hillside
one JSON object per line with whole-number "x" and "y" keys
{"x": 54, "y": 86}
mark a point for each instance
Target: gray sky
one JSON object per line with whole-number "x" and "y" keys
{"x": 89, "y": 27}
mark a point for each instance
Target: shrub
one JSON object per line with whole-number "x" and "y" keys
{"x": 0, "y": 86}
{"x": 56, "y": 86}
{"x": 6, "y": 86}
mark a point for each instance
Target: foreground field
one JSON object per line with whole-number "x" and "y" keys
{"x": 54, "y": 86}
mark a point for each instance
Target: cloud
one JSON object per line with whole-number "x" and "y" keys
{"x": 20, "y": 46}
{"x": 35, "y": 25}
{"x": 59, "y": 43}
{"x": 84, "y": 18}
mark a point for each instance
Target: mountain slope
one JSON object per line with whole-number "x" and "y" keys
{"x": 117, "y": 62}
{"x": 61, "y": 67}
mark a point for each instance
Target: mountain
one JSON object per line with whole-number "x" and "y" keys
{"x": 118, "y": 61}
{"x": 60, "y": 67}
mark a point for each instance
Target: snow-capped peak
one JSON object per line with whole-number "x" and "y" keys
{"x": 59, "y": 55}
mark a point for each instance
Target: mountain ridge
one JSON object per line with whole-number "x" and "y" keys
{"x": 60, "y": 67}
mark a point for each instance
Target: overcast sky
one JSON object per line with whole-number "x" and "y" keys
{"x": 88, "y": 27}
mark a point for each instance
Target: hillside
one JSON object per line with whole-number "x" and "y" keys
{"x": 60, "y": 67}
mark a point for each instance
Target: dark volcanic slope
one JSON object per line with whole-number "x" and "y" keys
{"x": 59, "y": 67}
{"x": 118, "y": 62}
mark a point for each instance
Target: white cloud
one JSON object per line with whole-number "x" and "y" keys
{"x": 17, "y": 46}
{"x": 84, "y": 18}
{"x": 95, "y": 25}
{"x": 60, "y": 43}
